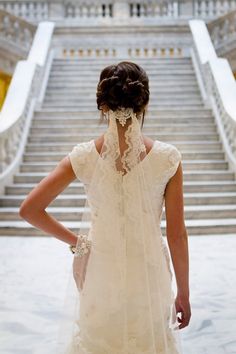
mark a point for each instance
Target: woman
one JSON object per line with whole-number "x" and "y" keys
{"x": 122, "y": 269}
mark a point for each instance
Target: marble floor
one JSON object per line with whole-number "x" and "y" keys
{"x": 33, "y": 280}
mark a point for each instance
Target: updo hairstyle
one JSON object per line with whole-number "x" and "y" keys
{"x": 125, "y": 85}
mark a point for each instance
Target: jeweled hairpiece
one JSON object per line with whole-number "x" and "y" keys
{"x": 122, "y": 114}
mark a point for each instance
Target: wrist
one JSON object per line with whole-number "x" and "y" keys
{"x": 82, "y": 246}
{"x": 183, "y": 293}
{"x": 74, "y": 241}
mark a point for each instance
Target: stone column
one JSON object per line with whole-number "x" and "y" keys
{"x": 56, "y": 10}
{"x": 186, "y": 8}
{"x": 120, "y": 10}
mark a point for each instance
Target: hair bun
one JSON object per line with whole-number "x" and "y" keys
{"x": 108, "y": 82}
{"x": 123, "y": 85}
{"x": 133, "y": 87}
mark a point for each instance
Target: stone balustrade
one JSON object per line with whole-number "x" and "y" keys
{"x": 223, "y": 32}
{"x": 160, "y": 51}
{"x": 74, "y": 9}
{"x": 212, "y": 8}
{"x": 153, "y": 8}
{"x": 17, "y": 110}
{"x": 36, "y": 10}
{"x": 30, "y": 10}
{"x": 218, "y": 86}
{"x": 16, "y": 31}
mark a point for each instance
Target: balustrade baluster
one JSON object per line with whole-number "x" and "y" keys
{"x": 99, "y": 11}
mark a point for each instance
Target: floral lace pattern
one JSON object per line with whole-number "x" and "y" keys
{"x": 126, "y": 305}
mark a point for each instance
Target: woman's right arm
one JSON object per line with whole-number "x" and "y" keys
{"x": 33, "y": 207}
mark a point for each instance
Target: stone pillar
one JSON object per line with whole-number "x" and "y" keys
{"x": 120, "y": 10}
{"x": 186, "y": 8}
{"x": 56, "y": 10}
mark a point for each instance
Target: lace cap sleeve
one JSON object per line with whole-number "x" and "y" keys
{"x": 78, "y": 157}
{"x": 174, "y": 157}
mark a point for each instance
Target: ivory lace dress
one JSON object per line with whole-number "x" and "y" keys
{"x": 126, "y": 304}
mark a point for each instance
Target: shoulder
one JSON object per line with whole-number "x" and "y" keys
{"x": 167, "y": 150}
{"x": 81, "y": 150}
{"x": 85, "y": 146}
{"x": 81, "y": 157}
{"x": 168, "y": 158}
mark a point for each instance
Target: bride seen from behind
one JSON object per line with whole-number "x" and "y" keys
{"x": 127, "y": 178}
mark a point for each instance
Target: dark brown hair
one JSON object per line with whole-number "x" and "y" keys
{"x": 123, "y": 85}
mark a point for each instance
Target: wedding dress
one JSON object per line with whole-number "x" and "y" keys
{"x": 126, "y": 305}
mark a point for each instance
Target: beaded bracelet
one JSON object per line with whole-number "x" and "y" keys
{"x": 82, "y": 248}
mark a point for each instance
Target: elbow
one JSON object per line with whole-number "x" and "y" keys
{"x": 24, "y": 211}
{"x": 28, "y": 212}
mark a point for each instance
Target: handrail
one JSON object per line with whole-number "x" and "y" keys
{"x": 223, "y": 31}
{"x": 16, "y": 32}
{"x": 220, "y": 87}
{"x": 17, "y": 110}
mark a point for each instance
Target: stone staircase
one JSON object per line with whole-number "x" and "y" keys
{"x": 176, "y": 115}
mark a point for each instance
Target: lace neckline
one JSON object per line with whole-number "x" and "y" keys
{"x": 145, "y": 158}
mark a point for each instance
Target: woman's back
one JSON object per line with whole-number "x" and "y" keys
{"x": 129, "y": 264}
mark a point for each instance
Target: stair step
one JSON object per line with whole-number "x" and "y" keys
{"x": 158, "y": 74}
{"x": 94, "y": 65}
{"x": 211, "y": 186}
{"x": 211, "y": 175}
{"x": 35, "y": 177}
{"x": 83, "y": 98}
{"x": 216, "y": 226}
{"x": 57, "y": 156}
{"x": 93, "y": 123}
{"x": 154, "y": 73}
{"x": 48, "y": 166}
{"x": 188, "y": 187}
{"x": 155, "y": 91}
{"x": 91, "y": 87}
{"x": 169, "y": 80}
{"x": 152, "y": 113}
{"x": 192, "y": 212}
{"x": 77, "y": 101}
{"x": 75, "y": 138}
{"x": 79, "y": 199}
{"x": 200, "y": 146}
{"x": 93, "y": 119}
{"x": 94, "y": 68}
{"x": 88, "y": 107}
{"x": 100, "y": 64}
{"x": 148, "y": 129}
{"x": 93, "y": 76}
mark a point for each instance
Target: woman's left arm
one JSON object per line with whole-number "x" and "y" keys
{"x": 33, "y": 207}
{"x": 177, "y": 238}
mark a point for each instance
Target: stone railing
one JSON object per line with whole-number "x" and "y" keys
{"x": 15, "y": 32}
{"x": 212, "y": 8}
{"x": 218, "y": 86}
{"x": 36, "y": 10}
{"x": 154, "y": 8}
{"x": 16, "y": 113}
{"x": 160, "y": 51}
{"x": 30, "y": 10}
{"x": 223, "y": 32}
{"x": 75, "y": 9}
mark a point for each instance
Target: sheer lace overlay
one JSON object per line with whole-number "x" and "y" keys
{"x": 126, "y": 305}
